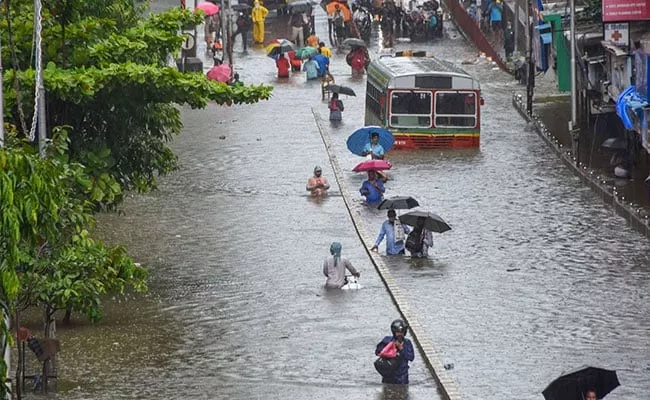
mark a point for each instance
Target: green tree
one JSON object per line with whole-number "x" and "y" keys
{"x": 108, "y": 78}
{"x": 46, "y": 253}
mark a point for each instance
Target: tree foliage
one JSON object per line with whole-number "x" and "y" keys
{"x": 107, "y": 77}
{"x": 46, "y": 253}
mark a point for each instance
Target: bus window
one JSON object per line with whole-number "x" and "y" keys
{"x": 455, "y": 109}
{"x": 410, "y": 109}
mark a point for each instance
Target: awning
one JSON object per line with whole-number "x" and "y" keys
{"x": 630, "y": 107}
{"x": 611, "y": 47}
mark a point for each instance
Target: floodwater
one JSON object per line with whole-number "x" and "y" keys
{"x": 536, "y": 277}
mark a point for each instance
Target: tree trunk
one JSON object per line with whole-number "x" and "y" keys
{"x": 67, "y": 316}
{"x": 18, "y": 385}
{"x": 6, "y": 351}
{"x": 50, "y": 333}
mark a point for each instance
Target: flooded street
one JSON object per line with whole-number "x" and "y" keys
{"x": 536, "y": 277}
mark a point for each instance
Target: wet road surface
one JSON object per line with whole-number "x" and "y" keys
{"x": 536, "y": 276}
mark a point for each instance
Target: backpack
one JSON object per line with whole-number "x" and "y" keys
{"x": 413, "y": 242}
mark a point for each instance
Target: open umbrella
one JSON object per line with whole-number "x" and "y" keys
{"x": 301, "y": 6}
{"x": 243, "y": 7}
{"x": 359, "y": 138}
{"x": 278, "y": 47}
{"x": 372, "y": 165}
{"x": 572, "y": 385}
{"x": 340, "y": 89}
{"x": 219, "y": 73}
{"x": 398, "y": 203}
{"x": 208, "y": 8}
{"x": 432, "y": 222}
{"x": 305, "y": 52}
{"x": 330, "y": 8}
{"x": 354, "y": 42}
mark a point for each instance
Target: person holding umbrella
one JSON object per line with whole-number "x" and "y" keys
{"x": 283, "y": 66}
{"x": 376, "y": 152}
{"x": 419, "y": 240}
{"x": 336, "y": 108}
{"x": 311, "y": 69}
{"x": 394, "y": 232}
{"x": 372, "y": 188}
{"x": 358, "y": 59}
{"x": 373, "y": 148}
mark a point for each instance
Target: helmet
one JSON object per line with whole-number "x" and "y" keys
{"x": 398, "y": 326}
{"x": 318, "y": 169}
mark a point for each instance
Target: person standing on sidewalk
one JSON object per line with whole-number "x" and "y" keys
{"x": 297, "y": 23}
{"x": 258, "y": 14}
{"x": 508, "y": 41}
{"x": 243, "y": 25}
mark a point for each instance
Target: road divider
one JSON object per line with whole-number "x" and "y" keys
{"x": 428, "y": 352}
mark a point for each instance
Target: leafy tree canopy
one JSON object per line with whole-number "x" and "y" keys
{"x": 107, "y": 77}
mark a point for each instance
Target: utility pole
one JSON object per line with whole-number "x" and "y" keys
{"x": 40, "y": 87}
{"x": 2, "y": 104}
{"x": 516, "y": 27}
{"x": 575, "y": 134}
{"x": 530, "y": 61}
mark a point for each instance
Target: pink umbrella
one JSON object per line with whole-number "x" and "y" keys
{"x": 219, "y": 73}
{"x": 208, "y": 8}
{"x": 372, "y": 165}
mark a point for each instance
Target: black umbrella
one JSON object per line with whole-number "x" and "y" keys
{"x": 432, "y": 222}
{"x": 301, "y": 6}
{"x": 398, "y": 203}
{"x": 241, "y": 7}
{"x": 572, "y": 385}
{"x": 614, "y": 144}
{"x": 341, "y": 90}
{"x": 354, "y": 42}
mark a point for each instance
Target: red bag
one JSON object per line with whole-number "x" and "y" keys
{"x": 389, "y": 351}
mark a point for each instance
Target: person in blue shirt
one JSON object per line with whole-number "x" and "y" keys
{"x": 496, "y": 10}
{"x": 373, "y": 148}
{"x": 372, "y": 188}
{"x": 405, "y": 352}
{"x": 311, "y": 68}
{"x": 395, "y": 233}
{"x": 323, "y": 64}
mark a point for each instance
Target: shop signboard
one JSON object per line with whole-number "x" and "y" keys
{"x": 617, "y": 33}
{"x": 625, "y": 10}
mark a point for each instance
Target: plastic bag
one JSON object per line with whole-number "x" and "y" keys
{"x": 389, "y": 351}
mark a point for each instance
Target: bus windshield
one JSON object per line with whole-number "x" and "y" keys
{"x": 455, "y": 109}
{"x": 410, "y": 108}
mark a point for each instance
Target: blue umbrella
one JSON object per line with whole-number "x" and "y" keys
{"x": 359, "y": 138}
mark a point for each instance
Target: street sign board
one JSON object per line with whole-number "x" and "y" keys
{"x": 625, "y": 10}
{"x": 617, "y": 33}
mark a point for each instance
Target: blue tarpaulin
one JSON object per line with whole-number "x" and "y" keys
{"x": 630, "y": 104}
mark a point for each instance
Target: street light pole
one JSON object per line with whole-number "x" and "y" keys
{"x": 516, "y": 26}
{"x": 530, "y": 61}
{"x": 2, "y": 104}
{"x": 574, "y": 112}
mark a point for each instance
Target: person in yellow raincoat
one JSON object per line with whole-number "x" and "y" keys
{"x": 258, "y": 15}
